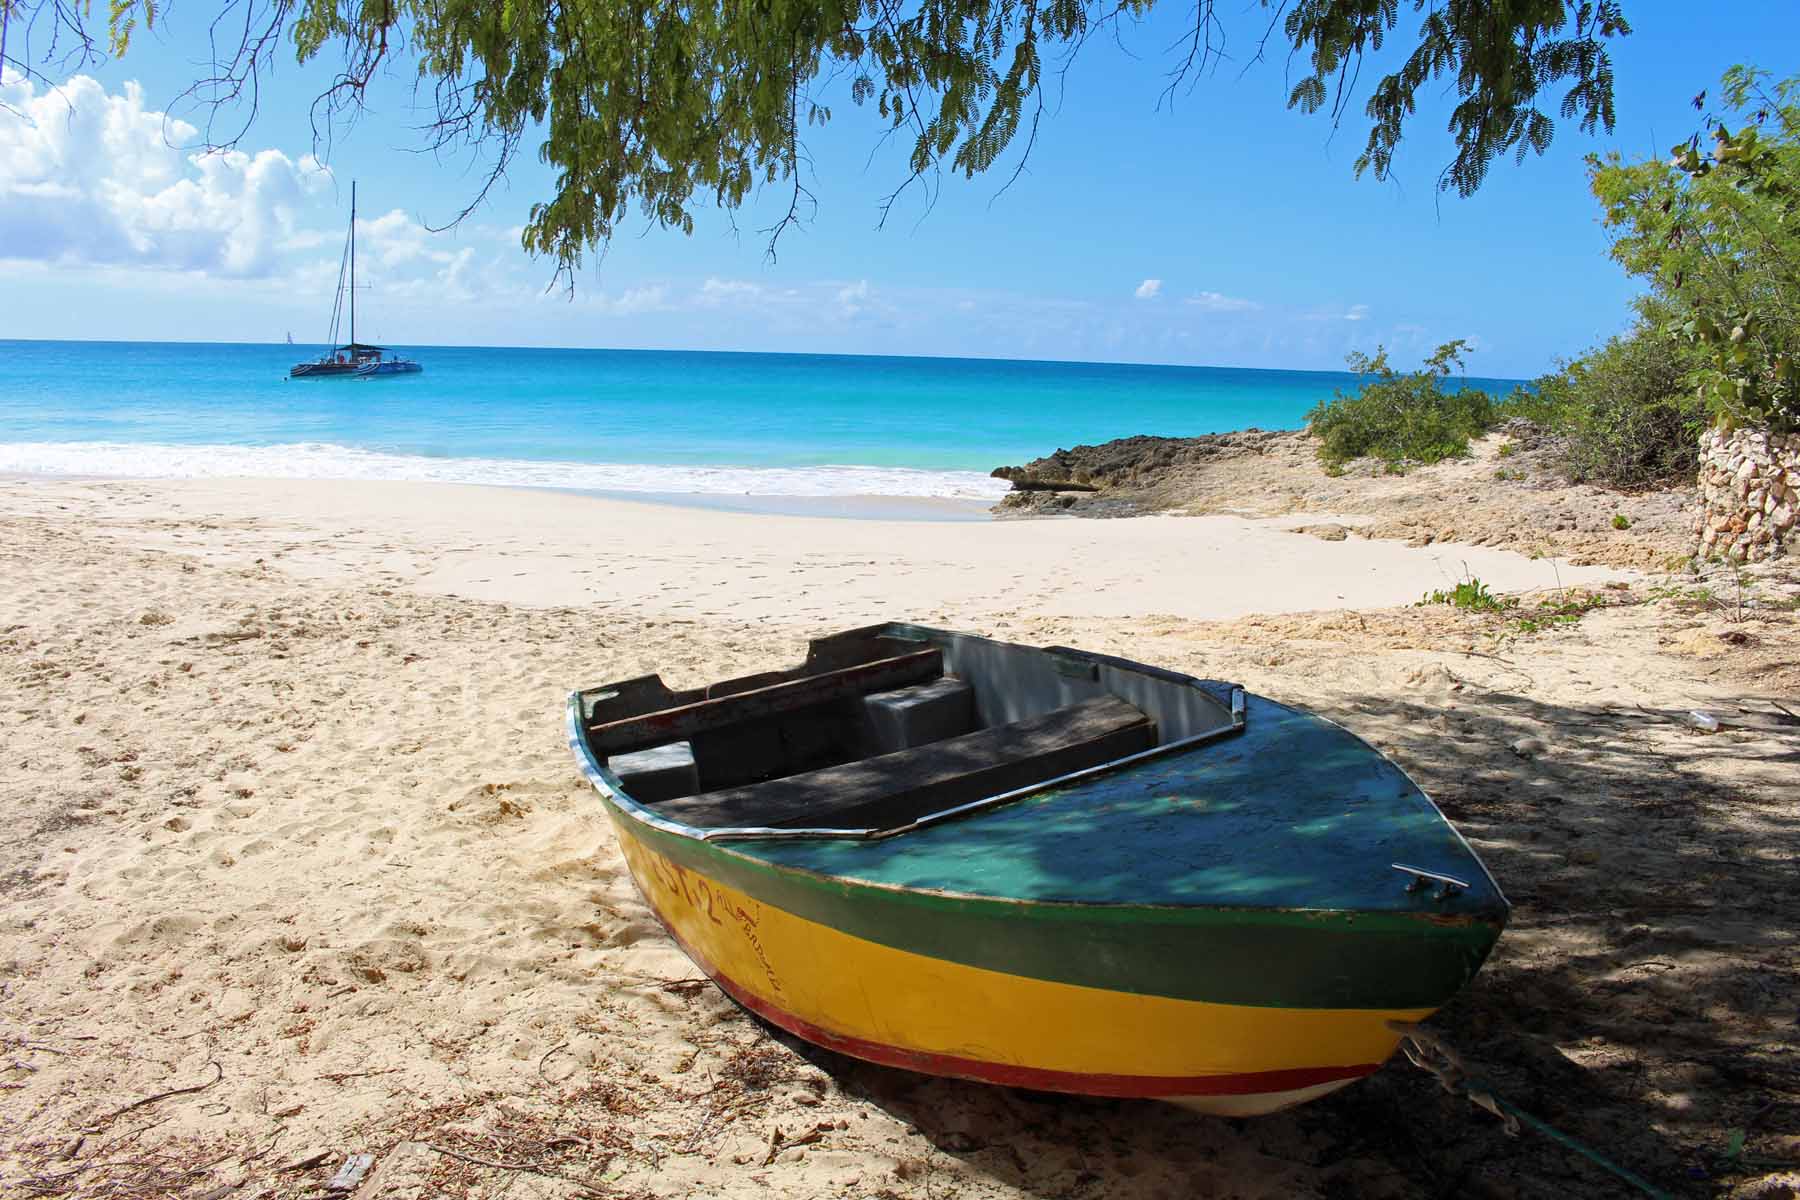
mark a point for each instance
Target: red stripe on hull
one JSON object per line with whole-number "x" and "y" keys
{"x": 1142, "y": 1087}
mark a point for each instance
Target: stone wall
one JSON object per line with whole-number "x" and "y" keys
{"x": 1749, "y": 494}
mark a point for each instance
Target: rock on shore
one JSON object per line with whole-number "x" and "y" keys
{"x": 1509, "y": 491}
{"x": 1123, "y": 477}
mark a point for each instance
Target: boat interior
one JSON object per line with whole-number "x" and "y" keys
{"x": 886, "y": 726}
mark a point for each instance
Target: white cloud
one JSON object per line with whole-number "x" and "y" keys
{"x": 90, "y": 177}
{"x": 1355, "y": 312}
{"x": 459, "y": 275}
{"x": 310, "y": 239}
{"x": 854, "y": 298}
{"x": 1219, "y": 302}
{"x": 632, "y": 302}
{"x": 1148, "y": 289}
{"x": 716, "y": 293}
{"x": 402, "y": 260}
{"x": 654, "y": 298}
{"x": 395, "y": 239}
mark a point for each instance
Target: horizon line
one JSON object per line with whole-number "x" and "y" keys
{"x": 1052, "y": 362}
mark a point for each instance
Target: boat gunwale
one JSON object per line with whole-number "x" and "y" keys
{"x": 613, "y": 794}
{"x": 604, "y": 780}
{"x": 1129, "y": 912}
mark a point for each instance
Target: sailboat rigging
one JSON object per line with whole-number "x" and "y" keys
{"x": 351, "y": 359}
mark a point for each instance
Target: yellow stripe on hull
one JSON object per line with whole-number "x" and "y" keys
{"x": 862, "y": 992}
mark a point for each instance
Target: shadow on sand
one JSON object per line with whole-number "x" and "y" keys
{"x": 1641, "y": 1001}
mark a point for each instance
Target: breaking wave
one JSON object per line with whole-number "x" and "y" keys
{"x": 322, "y": 460}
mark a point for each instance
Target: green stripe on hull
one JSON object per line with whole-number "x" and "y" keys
{"x": 1267, "y": 958}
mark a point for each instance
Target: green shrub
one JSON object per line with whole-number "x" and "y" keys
{"x": 1533, "y": 404}
{"x": 1567, "y": 610}
{"x": 1621, "y": 521}
{"x": 1399, "y": 418}
{"x": 1627, "y": 411}
{"x": 1471, "y": 595}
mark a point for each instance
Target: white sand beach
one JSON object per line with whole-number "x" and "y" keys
{"x": 550, "y": 549}
{"x": 299, "y": 865}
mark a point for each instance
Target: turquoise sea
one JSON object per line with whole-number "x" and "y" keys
{"x": 606, "y": 420}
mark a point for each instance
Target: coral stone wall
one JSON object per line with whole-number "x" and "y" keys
{"x": 1749, "y": 494}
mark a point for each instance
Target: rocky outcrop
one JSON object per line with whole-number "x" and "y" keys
{"x": 1509, "y": 493}
{"x": 1120, "y": 477}
{"x": 1023, "y": 481}
{"x": 1749, "y": 494}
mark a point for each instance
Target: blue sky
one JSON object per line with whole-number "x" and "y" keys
{"x": 1263, "y": 249}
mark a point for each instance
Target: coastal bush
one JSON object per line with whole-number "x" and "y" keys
{"x": 1471, "y": 595}
{"x": 1627, "y": 410}
{"x": 1396, "y": 418}
{"x": 1716, "y": 234}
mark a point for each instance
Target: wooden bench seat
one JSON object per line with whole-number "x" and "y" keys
{"x": 790, "y": 694}
{"x": 897, "y": 788}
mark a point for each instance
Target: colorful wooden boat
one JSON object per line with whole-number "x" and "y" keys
{"x": 1041, "y": 867}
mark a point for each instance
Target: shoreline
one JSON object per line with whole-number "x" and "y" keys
{"x": 549, "y": 548}
{"x": 851, "y": 506}
{"x": 332, "y": 462}
{"x": 925, "y": 509}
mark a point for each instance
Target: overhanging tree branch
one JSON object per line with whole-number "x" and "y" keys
{"x": 652, "y": 108}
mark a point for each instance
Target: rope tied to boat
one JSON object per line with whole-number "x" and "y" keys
{"x": 1429, "y": 1052}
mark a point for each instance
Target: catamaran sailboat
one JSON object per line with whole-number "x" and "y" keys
{"x": 352, "y": 359}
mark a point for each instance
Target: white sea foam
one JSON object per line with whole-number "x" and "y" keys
{"x": 319, "y": 460}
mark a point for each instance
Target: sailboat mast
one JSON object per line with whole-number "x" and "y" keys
{"x": 353, "y": 265}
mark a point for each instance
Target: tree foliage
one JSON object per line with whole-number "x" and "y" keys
{"x": 654, "y": 107}
{"x": 1716, "y": 233}
{"x": 1402, "y": 418}
{"x": 1501, "y": 56}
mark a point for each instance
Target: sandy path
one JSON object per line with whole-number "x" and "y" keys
{"x": 311, "y": 820}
